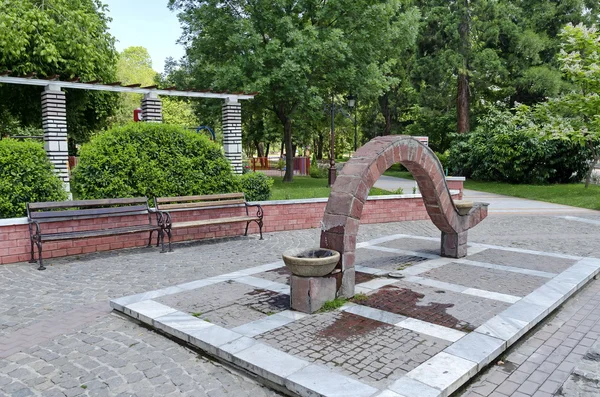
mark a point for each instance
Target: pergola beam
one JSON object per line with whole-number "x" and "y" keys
{"x": 57, "y": 85}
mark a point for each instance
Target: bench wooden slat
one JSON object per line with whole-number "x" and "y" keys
{"x": 200, "y": 204}
{"x": 87, "y": 212}
{"x": 86, "y": 203}
{"x": 98, "y": 233}
{"x": 214, "y": 221}
{"x": 211, "y": 197}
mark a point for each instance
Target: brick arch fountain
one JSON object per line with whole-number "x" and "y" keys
{"x": 351, "y": 189}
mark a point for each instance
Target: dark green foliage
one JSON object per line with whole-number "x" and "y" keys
{"x": 26, "y": 176}
{"x": 316, "y": 172}
{"x": 256, "y": 185}
{"x": 503, "y": 149}
{"x": 152, "y": 160}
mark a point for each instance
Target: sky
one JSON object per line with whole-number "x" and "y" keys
{"x": 146, "y": 23}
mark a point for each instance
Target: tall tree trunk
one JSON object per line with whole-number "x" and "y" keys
{"x": 320, "y": 140}
{"x": 267, "y": 149}
{"x": 462, "y": 95}
{"x": 289, "y": 152}
{"x": 384, "y": 104}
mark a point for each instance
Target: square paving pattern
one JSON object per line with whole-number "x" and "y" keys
{"x": 228, "y": 304}
{"x": 422, "y": 335}
{"x": 369, "y": 350}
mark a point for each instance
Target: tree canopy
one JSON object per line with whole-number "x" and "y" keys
{"x": 68, "y": 38}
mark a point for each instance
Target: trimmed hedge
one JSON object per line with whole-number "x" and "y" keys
{"x": 503, "y": 149}
{"x": 26, "y": 175}
{"x": 152, "y": 160}
{"x": 256, "y": 186}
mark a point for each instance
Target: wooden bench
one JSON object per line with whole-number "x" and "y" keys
{"x": 166, "y": 204}
{"x": 47, "y": 212}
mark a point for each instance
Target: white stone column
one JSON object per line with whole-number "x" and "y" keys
{"x": 232, "y": 133}
{"x": 54, "y": 123}
{"x": 152, "y": 108}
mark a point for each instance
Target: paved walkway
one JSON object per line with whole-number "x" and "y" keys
{"x": 499, "y": 204}
{"x": 62, "y": 341}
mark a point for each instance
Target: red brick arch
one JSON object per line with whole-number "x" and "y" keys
{"x": 351, "y": 189}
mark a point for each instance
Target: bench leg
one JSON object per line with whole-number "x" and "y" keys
{"x": 260, "y": 225}
{"x": 32, "y": 260}
{"x": 247, "y": 224}
{"x": 39, "y": 246}
{"x": 150, "y": 239}
{"x": 169, "y": 234}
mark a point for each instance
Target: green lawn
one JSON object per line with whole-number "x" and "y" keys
{"x": 574, "y": 194}
{"x": 398, "y": 171}
{"x": 307, "y": 187}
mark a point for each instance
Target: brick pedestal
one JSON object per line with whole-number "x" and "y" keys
{"x": 232, "y": 133}
{"x": 308, "y": 294}
{"x": 152, "y": 108}
{"x": 54, "y": 123}
{"x": 454, "y": 245}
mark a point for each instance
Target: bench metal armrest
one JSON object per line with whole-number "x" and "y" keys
{"x": 38, "y": 232}
{"x": 164, "y": 219}
{"x": 259, "y": 210}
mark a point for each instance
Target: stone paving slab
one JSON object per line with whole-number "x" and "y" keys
{"x": 332, "y": 340}
{"x": 522, "y": 260}
{"x": 487, "y": 279}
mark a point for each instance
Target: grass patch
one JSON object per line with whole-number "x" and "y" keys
{"x": 306, "y": 187}
{"x": 330, "y": 306}
{"x": 573, "y": 194}
{"x": 398, "y": 171}
{"x": 197, "y": 314}
{"x": 360, "y": 297}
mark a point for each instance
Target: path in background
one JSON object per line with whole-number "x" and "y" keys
{"x": 499, "y": 204}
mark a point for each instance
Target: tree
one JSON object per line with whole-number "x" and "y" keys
{"x": 67, "y": 38}
{"x": 295, "y": 53}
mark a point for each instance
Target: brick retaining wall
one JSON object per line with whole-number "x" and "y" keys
{"x": 278, "y": 216}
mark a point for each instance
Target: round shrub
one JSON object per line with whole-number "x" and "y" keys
{"x": 26, "y": 175}
{"x": 152, "y": 160}
{"x": 504, "y": 149}
{"x": 256, "y": 186}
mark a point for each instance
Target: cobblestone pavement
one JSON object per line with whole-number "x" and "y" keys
{"x": 385, "y": 260}
{"x": 487, "y": 279}
{"x": 540, "y": 364}
{"x": 372, "y": 351}
{"x": 228, "y": 304}
{"x": 445, "y": 308}
{"x": 52, "y": 313}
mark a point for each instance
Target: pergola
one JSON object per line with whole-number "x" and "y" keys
{"x": 54, "y": 114}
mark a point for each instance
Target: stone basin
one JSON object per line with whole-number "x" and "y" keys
{"x": 463, "y": 206}
{"x": 315, "y": 262}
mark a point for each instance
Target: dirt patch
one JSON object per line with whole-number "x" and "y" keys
{"x": 349, "y": 325}
{"x": 405, "y": 302}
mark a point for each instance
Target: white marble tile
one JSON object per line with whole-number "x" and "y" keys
{"x": 147, "y": 311}
{"x": 526, "y": 251}
{"x": 430, "y": 329}
{"x": 377, "y": 283}
{"x": 198, "y": 284}
{"x": 262, "y": 268}
{"x": 227, "y": 350}
{"x": 408, "y": 387}
{"x": 374, "y": 314}
{"x": 527, "y": 312}
{"x": 507, "y": 329}
{"x": 292, "y": 314}
{"x": 403, "y": 252}
{"x": 492, "y": 295}
{"x": 389, "y": 393}
{"x": 436, "y": 284}
{"x": 361, "y": 290}
{"x": 444, "y": 371}
{"x": 511, "y": 269}
{"x": 380, "y": 240}
{"x": 545, "y": 296}
{"x": 262, "y": 325}
{"x": 476, "y": 347}
{"x": 211, "y": 338}
{"x": 316, "y": 380}
{"x": 269, "y": 362}
{"x": 180, "y": 324}
{"x": 369, "y": 270}
{"x": 120, "y": 303}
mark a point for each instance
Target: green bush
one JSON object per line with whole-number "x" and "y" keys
{"x": 152, "y": 160}
{"x": 316, "y": 172}
{"x": 503, "y": 148}
{"x": 26, "y": 175}
{"x": 256, "y": 186}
